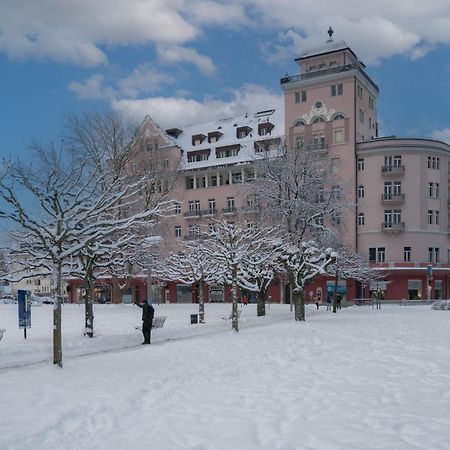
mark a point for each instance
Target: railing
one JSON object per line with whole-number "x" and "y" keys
{"x": 393, "y": 227}
{"x": 389, "y": 169}
{"x": 229, "y": 210}
{"x": 321, "y": 73}
{"x": 193, "y": 213}
{"x": 209, "y": 212}
{"x": 392, "y": 198}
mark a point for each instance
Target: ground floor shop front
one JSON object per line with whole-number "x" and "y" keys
{"x": 395, "y": 284}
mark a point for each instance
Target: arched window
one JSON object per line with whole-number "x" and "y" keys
{"x": 318, "y": 119}
{"x": 360, "y": 191}
{"x": 338, "y": 116}
{"x": 299, "y": 123}
{"x": 361, "y": 219}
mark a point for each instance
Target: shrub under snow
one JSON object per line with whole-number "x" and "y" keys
{"x": 441, "y": 304}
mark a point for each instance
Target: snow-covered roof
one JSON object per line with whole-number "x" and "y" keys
{"x": 226, "y": 130}
{"x": 328, "y": 47}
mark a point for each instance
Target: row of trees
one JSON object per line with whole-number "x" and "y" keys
{"x": 80, "y": 211}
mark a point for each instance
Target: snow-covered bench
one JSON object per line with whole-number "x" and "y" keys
{"x": 158, "y": 322}
{"x": 1, "y": 333}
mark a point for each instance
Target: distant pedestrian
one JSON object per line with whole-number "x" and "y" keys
{"x": 245, "y": 300}
{"x": 338, "y": 300}
{"x": 329, "y": 297}
{"x": 148, "y": 312}
{"x": 317, "y": 300}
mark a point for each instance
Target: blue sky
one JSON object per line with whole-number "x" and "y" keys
{"x": 185, "y": 61}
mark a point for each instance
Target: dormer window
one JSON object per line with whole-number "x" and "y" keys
{"x": 175, "y": 132}
{"x": 265, "y": 128}
{"x": 214, "y": 136}
{"x": 227, "y": 151}
{"x": 199, "y": 155}
{"x": 197, "y": 139}
{"x": 242, "y": 132}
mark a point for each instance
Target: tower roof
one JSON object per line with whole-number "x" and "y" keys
{"x": 329, "y": 47}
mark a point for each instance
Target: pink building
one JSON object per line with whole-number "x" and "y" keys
{"x": 400, "y": 186}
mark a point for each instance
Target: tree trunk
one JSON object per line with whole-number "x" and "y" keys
{"x": 57, "y": 341}
{"x": 201, "y": 301}
{"x": 261, "y": 304}
{"x": 299, "y": 304}
{"x": 89, "y": 309}
{"x": 234, "y": 310}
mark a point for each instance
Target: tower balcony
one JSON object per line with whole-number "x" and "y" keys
{"x": 392, "y": 170}
{"x": 393, "y": 227}
{"x": 390, "y": 199}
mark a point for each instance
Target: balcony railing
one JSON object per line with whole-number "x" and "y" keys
{"x": 394, "y": 170}
{"x": 193, "y": 214}
{"x": 329, "y": 71}
{"x": 251, "y": 209}
{"x": 209, "y": 212}
{"x": 229, "y": 210}
{"x": 392, "y": 227}
{"x": 392, "y": 198}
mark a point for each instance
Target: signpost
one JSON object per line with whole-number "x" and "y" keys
{"x": 24, "y": 305}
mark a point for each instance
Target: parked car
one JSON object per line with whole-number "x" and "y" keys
{"x": 8, "y": 298}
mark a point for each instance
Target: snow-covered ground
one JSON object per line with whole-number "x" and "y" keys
{"x": 359, "y": 379}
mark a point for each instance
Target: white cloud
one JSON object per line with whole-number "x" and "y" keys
{"x": 81, "y": 31}
{"x": 91, "y": 89}
{"x": 441, "y": 135}
{"x": 172, "y": 111}
{"x": 374, "y": 29}
{"x": 229, "y": 13}
{"x": 176, "y": 54}
{"x": 143, "y": 80}
{"x": 73, "y": 30}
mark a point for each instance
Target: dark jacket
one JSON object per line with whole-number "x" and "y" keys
{"x": 148, "y": 312}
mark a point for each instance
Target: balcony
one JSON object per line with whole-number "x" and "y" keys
{"x": 251, "y": 209}
{"x": 392, "y": 170}
{"x": 392, "y": 198}
{"x": 393, "y": 227}
{"x": 194, "y": 214}
{"x": 320, "y": 147}
{"x": 229, "y": 210}
{"x": 324, "y": 72}
{"x": 209, "y": 212}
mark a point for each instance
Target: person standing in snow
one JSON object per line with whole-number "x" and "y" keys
{"x": 148, "y": 312}
{"x": 329, "y": 297}
{"x": 339, "y": 299}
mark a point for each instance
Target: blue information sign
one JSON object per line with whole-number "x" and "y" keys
{"x": 24, "y": 303}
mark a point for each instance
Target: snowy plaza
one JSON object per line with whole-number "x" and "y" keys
{"x": 359, "y": 379}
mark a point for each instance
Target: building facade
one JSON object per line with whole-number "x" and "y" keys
{"x": 399, "y": 188}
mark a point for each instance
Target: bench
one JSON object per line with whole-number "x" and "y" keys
{"x": 231, "y": 315}
{"x": 1, "y": 333}
{"x": 158, "y": 322}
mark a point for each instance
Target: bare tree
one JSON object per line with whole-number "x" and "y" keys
{"x": 297, "y": 190}
{"x": 191, "y": 265}
{"x": 232, "y": 248}
{"x": 61, "y": 211}
{"x": 302, "y": 264}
